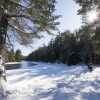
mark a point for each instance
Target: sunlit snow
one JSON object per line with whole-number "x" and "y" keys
{"x": 45, "y": 81}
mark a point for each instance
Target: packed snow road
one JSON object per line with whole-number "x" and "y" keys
{"x": 45, "y": 81}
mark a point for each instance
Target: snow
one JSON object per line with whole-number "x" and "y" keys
{"x": 46, "y": 81}
{"x": 2, "y": 81}
{"x": 13, "y": 63}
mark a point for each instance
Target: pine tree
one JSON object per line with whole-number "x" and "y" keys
{"x": 18, "y": 55}
{"x": 91, "y": 29}
{"x": 11, "y": 55}
{"x": 22, "y": 20}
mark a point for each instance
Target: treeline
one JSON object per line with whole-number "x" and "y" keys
{"x": 13, "y": 56}
{"x": 68, "y": 48}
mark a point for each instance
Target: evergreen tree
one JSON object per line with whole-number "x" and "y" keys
{"x": 11, "y": 55}
{"x": 22, "y": 20}
{"x": 51, "y": 57}
{"x": 62, "y": 49}
{"x": 91, "y": 29}
{"x": 68, "y": 48}
{"x": 18, "y": 55}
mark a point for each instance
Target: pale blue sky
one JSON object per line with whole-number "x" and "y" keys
{"x": 69, "y": 20}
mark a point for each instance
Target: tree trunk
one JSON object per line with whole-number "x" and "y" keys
{"x": 3, "y": 33}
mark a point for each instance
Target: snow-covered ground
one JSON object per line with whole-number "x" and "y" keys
{"x": 46, "y": 81}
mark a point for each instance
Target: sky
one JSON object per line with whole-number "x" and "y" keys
{"x": 69, "y": 20}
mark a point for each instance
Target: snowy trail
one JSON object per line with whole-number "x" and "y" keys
{"x": 46, "y": 81}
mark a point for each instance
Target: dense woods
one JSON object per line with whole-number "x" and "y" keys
{"x": 81, "y": 46}
{"x": 69, "y": 48}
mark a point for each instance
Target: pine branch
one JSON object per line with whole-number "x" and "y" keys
{"x": 17, "y": 4}
{"x": 18, "y": 15}
{"x": 16, "y": 28}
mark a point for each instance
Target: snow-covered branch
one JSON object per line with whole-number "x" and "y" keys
{"x": 16, "y": 28}
{"x": 20, "y": 15}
